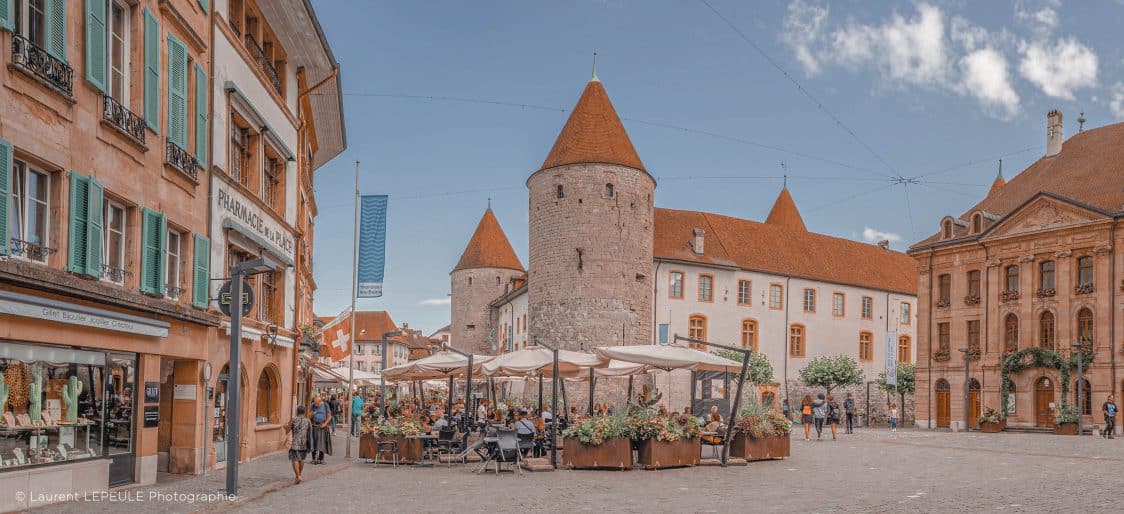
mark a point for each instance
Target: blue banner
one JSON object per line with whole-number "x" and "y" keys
{"x": 372, "y": 245}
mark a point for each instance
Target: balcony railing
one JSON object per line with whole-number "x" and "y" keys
{"x": 36, "y": 61}
{"x": 259, "y": 56}
{"x": 113, "y": 274}
{"x": 1045, "y": 292}
{"x": 1084, "y": 288}
{"x": 1009, "y": 296}
{"x": 29, "y": 250}
{"x": 181, "y": 160}
{"x": 972, "y": 299}
{"x": 123, "y": 119}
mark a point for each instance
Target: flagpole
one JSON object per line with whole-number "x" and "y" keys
{"x": 351, "y": 341}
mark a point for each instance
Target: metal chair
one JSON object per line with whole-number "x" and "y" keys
{"x": 508, "y": 450}
{"x": 446, "y": 445}
{"x": 714, "y": 442}
{"x": 386, "y": 447}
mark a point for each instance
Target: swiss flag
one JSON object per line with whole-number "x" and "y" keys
{"x": 337, "y": 337}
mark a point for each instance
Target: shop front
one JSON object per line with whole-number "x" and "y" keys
{"x": 84, "y": 394}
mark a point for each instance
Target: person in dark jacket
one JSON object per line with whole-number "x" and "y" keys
{"x": 321, "y": 417}
{"x": 1109, "y": 410}
{"x": 849, "y": 411}
{"x": 819, "y": 414}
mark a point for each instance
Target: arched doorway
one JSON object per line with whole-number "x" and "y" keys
{"x": 1043, "y": 398}
{"x": 944, "y": 403}
{"x": 974, "y": 403}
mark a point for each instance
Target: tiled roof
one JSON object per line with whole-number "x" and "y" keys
{"x": 593, "y": 133}
{"x": 782, "y": 250}
{"x": 489, "y": 247}
{"x": 1088, "y": 170}
{"x": 785, "y": 214}
{"x": 371, "y": 325}
{"x": 997, "y": 185}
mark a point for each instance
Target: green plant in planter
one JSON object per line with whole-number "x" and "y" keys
{"x": 594, "y": 431}
{"x": 991, "y": 415}
{"x": 3, "y": 397}
{"x": 1066, "y": 414}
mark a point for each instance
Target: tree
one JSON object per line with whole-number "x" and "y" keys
{"x": 907, "y": 383}
{"x": 760, "y": 370}
{"x": 832, "y": 372}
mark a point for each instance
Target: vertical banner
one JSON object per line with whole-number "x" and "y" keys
{"x": 663, "y": 333}
{"x": 892, "y": 359}
{"x": 372, "y": 245}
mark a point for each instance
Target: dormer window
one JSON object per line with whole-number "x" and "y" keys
{"x": 977, "y": 223}
{"x": 946, "y": 229}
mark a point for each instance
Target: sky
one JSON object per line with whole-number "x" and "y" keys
{"x": 885, "y": 116}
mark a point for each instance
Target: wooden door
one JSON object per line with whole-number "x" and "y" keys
{"x": 944, "y": 411}
{"x": 974, "y": 407}
{"x": 1043, "y": 397}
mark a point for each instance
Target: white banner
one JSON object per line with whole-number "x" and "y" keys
{"x": 108, "y": 321}
{"x": 892, "y": 359}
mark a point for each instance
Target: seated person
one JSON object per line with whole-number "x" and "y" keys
{"x": 715, "y": 438}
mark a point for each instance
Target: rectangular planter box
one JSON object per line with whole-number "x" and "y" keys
{"x": 653, "y": 454}
{"x": 409, "y": 450}
{"x": 773, "y": 447}
{"x": 1066, "y": 429}
{"x": 992, "y": 428}
{"x": 615, "y": 453}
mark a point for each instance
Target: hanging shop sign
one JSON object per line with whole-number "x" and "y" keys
{"x": 226, "y": 298}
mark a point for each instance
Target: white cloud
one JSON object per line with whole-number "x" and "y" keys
{"x": 1116, "y": 103}
{"x": 908, "y": 50}
{"x": 1059, "y": 69}
{"x": 802, "y": 27}
{"x": 1041, "y": 16}
{"x": 984, "y": 76}
{"x": 873, "y": 235}
{"x": 432, "y": 302}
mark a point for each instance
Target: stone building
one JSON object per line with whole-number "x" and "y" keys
{"x": 608, "y": 268}
{"x": 114, "y": 228}
{"x": 1031, "y": 265}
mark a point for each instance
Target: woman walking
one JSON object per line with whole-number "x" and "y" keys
{"x": 321, "y": 437}
{"x": 819, "y": 412}
{"x": 832, "y": 414}
{"x": 893, "y": 417}
{"x": 806, "y": 415}
{"x": 299, "y": 429}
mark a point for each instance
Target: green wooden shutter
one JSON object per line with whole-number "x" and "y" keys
{"x": 201, "y": 286}
{"x": 152, "y": 253}
{"x": 56, "y": 28}
{"x": 177, "y": 92}
{"x": 95, "y": 219}
{"x": 162, "y": 252}
{"x": 151, "y": 71}
{"x": 7, "y": 15}
{"x": 95, "y": 43}
{"x": 202, "y": 5}
{"x": 79, "y": 223}
{"x": 5, "y": 194}
{"x": 201, "y": 107}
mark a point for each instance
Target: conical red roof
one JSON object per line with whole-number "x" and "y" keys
{"x": 489, "y": 247}
{"x": 593, "y": 133}
{"x": 998, "y": 184}
{"x": 785, "y": 214}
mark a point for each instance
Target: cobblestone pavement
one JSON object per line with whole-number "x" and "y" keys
{"x": 871, "y": 471}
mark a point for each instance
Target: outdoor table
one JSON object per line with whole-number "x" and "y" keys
{"x": 426, "y": 450}
{"x": 486, "y": 448}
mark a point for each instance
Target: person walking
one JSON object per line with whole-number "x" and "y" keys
{"x": 786, "y": 410}
{"x": 806, "y": 415}
{"x": 334, "y": 404}
{"x": 819, "y": 413}
{"x": 1109, "y": 410}
{"x": 321, "y": 414}
{"x": 299, "y": 429}
{"x": 893, "y": 417}
{"x": 849, "y": 412}
{"x": 832, "y": 414}
{"x": 356, "y": 413}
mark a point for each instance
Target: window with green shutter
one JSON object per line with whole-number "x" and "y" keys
{"x": 7, "y": 15}
{"x": 95, "y": 43}
{"x": 202, "y": 5}
{"x": 177, "y": 92}
{"x": 201, "y": 284}
{"x": 5, "y": 195}
{"x": 201, "y": 107}
{"x": 79, "y": 208}
{"x": 55, "y": 31}
{"x": 151, "y": 71}
{"x": 154, "y": 228}
{"x": 94, "y": 227}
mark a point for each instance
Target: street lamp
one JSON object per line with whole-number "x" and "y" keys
{"x": 1080, "y": 382}
{"x": 238, "y": 273}
{"x": 967, "y": 360}
{"x": 382, "y": 379}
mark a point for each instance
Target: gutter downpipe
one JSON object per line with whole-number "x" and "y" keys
{"x": 929, "y": 356}
{"x": 787, "y": 341}
{"x": 655, "y": 298}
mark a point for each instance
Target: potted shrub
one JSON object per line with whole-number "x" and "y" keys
{"x": 374, "y": 430}
{"x": 664, "y": 441}
{"x": 1066, "y": 419}
{"x": 760, "y": 434}
{"x": 992, "y": 422}
{"x": 597, "y": 443}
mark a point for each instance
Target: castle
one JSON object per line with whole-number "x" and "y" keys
{"x": 609, "y": 268}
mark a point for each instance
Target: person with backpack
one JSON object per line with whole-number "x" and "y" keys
{"x": 1109, "y": 410}
{"x": 849, "y": 411}
{"x": 819, "y": 413}
{"x": 334, "y": 404}
{"x": 806, "y": 415}
{"x": 832, "y": 414}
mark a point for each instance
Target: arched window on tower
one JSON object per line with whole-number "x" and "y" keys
{"x": 608, "y": 190}
{"x": 559, "y": 192}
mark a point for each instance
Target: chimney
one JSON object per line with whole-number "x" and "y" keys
{"x": 697, "y": 244}
{"x": 1053, "y": 133}
{"x": 884, "y": 244}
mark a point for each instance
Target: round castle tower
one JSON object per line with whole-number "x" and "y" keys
{"x": 591, "y": 231}
{"x": 488, "y": 268}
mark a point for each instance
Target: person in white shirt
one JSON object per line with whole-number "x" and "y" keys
{"x": 547, "y": 416}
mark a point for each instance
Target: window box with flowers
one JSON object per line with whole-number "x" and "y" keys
{"x": 1084, "y": 288}
{"x": 1009, "y": 296}
{"x": 945, "y": 302}
{"x": 992, "y": 421}
{"x": 972, "y": 299}
{"x": 1045, "y": 292}
{"x": 942, "y": 356}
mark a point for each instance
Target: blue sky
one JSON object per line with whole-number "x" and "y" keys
{"x": 939, "y": 90}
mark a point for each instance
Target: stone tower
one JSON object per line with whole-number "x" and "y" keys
{"x": 590, "y": 269}
{"x": 488, "y": 268}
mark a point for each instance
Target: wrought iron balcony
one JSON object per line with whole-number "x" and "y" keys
{"x": 1045, "y": 292}
{"x": 179, "y": 159}
{"x": 123, "y": 119}
{"x": 173, "y": 293}
{"x": 115, "y": 275}
{"x": 1084, "y": 288}
{"x": 29, "y": 250}
{"x": 972, "y": 299}
{"x": 39, "y": 63}
{"x": 1009, "y": 296}
{"x": 263, "y": 62}
{"x": 943, "y": 302}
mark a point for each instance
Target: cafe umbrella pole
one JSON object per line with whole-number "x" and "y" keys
{"x": 746, "y": 353}
{"x": 554, "y": 381}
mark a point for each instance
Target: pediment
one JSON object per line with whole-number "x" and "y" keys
{"x": 1041, "y": 214}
